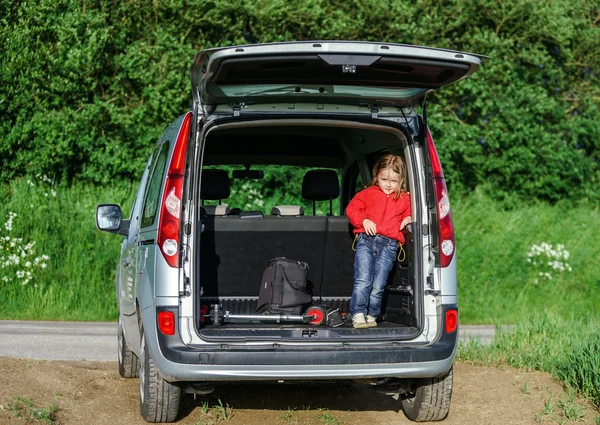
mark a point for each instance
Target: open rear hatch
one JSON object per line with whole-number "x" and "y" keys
{"x": 358, "y": 73}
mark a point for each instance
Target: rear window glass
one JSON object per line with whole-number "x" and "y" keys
{"x": 154, "y": 188}
{"x": 279, "y": 185}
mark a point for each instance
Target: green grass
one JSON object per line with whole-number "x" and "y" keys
{"x": 496, "y": 283}
{"x": 327, "y": 418}
{"x": 211, "y": 413}
{"x": 568, "y": 349}
{"x": 78, "y": 282}
{"x": 23, "y": 407}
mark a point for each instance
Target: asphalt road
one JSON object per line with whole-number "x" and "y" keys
{"x": 95, "y": 341}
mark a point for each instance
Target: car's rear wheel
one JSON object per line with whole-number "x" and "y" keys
{"x": 129, "y": 364}
{"x": 159, "y": 399}
{"x": 428, "y": 399}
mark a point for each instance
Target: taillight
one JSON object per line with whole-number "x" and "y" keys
{"x": 446, "y": 228}
{"x": 166, "y": 322}
{"x": 451, "y": 321}
{"x": 169, "y": 226}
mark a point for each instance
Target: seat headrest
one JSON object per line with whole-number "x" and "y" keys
{"x": 287, "y": 211}
{"x": 214, "y": 185}
{"x": 320, "y": 185}
{"x": 215, "y": 210}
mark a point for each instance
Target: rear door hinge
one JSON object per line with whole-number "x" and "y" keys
{"x": 430, "y": 290}
{"x": 187, "y": 288}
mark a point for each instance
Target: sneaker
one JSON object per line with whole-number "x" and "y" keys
{"x": 371, "y": 321}
{"x": 359, "y": 322}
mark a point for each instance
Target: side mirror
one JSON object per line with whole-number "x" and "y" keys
{"x": 109, "y": 218}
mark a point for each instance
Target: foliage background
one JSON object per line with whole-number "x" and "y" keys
{"x": 86, "y": 87}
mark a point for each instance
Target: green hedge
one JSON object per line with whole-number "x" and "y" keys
{"x": 87, "y": 86}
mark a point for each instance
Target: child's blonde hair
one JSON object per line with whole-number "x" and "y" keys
{"x": 395, "y": 164}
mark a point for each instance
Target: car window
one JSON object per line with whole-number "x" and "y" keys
{"x": 154, "y": 187}
{"x": 134, "y": 217}
{"x": 135, "y": 208}
{"x": 280, "y": 185}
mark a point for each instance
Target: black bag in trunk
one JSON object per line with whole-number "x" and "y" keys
{"x": 284, "y": 288}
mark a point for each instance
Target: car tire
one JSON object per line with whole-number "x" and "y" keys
{"x": 129, "y": 364}
{"x": 428, "y": 399}
{"x": 159, "y": 399}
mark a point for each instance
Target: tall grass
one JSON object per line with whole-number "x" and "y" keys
{"x": 498, "y": 285}
{"x": 567, "y": 348}
{"x": 79, "y": 280}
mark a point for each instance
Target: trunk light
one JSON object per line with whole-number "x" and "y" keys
{"x": 169, "y": 227}
{"x": 166, "y": 322}
{"x": 451, "y": 321}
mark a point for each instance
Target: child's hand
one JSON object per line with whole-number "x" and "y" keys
{"x": 407, "y": 220}
{"x": 370, "y": 227}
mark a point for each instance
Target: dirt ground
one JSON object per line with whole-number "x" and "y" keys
{"x": 94, "y": 393}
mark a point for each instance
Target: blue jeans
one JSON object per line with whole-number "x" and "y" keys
{"x": 373, "y": 261}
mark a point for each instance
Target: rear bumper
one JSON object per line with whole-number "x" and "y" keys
{"x": 179, "y": 362}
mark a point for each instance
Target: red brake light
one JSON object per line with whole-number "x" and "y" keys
{"x": 169, "y": 226}
{"x": 433, "y": 156}
{"x": 166, "y": 322}
{"x": 446, "y": 228}
{"x": 451, "y": 321}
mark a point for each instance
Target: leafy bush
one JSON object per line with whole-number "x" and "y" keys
{"x": 86, "y": 87}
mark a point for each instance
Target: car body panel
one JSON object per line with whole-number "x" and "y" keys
{"x": 180, "y": 362}
{"x": 331, "y": 72}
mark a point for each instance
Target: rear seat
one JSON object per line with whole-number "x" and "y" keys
{"x": 215, "y": 186}
{"x": 321, "y": 185}
{"x": 235, "y": 252}
{"x": 287, "y": 211}
{"x": 338, "y": 258}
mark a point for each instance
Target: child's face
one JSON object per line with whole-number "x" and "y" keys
{"x": 388, "y": 181}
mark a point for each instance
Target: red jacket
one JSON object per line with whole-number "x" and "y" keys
{"x": 386, "y": 212}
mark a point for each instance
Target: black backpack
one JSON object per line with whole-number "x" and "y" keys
{"x": 284, "y": 288}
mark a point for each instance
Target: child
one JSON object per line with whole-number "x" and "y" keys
{"x": 377, "y": 214}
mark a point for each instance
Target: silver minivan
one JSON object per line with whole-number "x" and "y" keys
{"x": 315, "y": 116}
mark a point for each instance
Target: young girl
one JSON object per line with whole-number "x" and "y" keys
{"x": 378, "y": 215}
